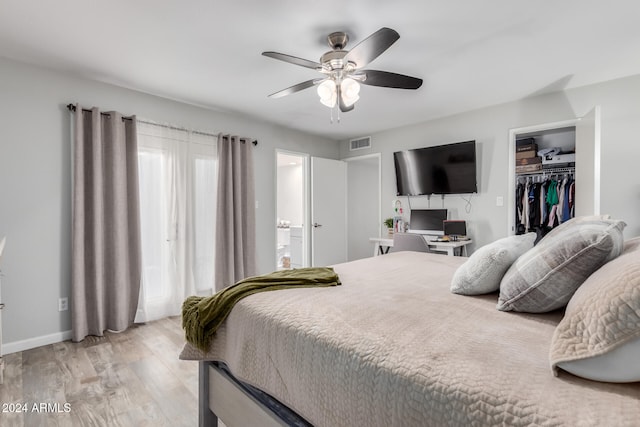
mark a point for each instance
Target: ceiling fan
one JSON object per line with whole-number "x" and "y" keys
{"x": 343, "y": 69}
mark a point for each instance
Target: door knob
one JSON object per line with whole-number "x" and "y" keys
{"x": 316, "y": 225}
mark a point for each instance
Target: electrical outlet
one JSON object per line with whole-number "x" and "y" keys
{"x": 63, "y": 304}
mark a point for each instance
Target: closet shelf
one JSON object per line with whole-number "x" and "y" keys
{"x": 550, "y": 171}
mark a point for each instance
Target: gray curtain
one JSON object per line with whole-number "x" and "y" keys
{"x": 106, "y": 249}
{"x": 235, "y": 212}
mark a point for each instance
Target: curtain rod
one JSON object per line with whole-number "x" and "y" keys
{"x": 73, "y": 108}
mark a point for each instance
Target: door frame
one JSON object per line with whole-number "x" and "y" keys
{"x": 306, "y": 200}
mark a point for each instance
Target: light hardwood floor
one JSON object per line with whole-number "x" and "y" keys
{"x": 129, "y": 379}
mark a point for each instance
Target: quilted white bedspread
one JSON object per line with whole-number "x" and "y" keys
{"x": 393, "y": 347}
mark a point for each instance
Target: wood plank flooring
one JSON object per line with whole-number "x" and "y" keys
{"x": 133, "y": 378}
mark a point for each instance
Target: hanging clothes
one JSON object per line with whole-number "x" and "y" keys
{"x": 543, "y": 198}
{"x": 566, "y": 206}
{"x": 552, "y": 194}
{"x": 572, "y": 196}
{"x": 519, "y": 193}
{"x": 543, "y": 202}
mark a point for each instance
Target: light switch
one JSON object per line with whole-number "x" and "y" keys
{"x": 499, "y": 201}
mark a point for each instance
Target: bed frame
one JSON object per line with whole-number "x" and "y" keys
{"x": 222, "y": 396}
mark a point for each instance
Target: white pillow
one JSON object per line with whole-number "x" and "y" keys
{"x": 484, "y": 269}
{"x": 619, "y": 365}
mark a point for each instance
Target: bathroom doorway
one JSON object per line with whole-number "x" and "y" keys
{"x": 291, "y": 210}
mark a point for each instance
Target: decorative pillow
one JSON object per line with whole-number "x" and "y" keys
{"x": 599, "y": 336}
{"x": 484, "y": 269}
{"x": 545, "y": 278}
{"x": 573, "y": 222}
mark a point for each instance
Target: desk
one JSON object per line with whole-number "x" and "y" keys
{"x": 450, "y": 247}
{"x": 381, "y": 246}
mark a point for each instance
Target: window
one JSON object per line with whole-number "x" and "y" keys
{"x": 177, "y": 172}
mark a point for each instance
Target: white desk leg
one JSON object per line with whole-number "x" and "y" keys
{"x": 450, "y": 251}
{"x": 376, "y": 248}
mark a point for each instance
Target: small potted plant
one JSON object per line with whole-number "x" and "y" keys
{"x": 389, "y": 224}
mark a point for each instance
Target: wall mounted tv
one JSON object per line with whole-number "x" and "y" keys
{"x": 442, "y": 169}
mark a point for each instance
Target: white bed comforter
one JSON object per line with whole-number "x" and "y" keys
{"x": 393, "y": 347}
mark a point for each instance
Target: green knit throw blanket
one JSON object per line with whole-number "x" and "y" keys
{"x": 202, "y": 316}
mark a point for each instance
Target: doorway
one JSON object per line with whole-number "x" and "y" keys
{"x": 291, "y": 210}
{"x": 326, "y": 210}
{"x": 585, "y": 133}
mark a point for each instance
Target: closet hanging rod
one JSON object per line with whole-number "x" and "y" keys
{"x": 73, "y": 108}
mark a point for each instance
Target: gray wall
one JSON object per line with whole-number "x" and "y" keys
{"x": 35, "y": 171}
{"x": 620, "y": 176}
{"x": 363, "y": 206}
{"x": 35, "y": 184}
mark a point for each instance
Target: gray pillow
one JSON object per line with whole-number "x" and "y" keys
{"x": 484, "y": 269}
{"x": 545, "y": 278}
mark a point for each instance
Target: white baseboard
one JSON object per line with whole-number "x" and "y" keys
{"x": 28, "y": 344}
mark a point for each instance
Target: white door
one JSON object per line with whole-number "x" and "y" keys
{"x": 588, "y": 164}
{"x": 328, "y": 212}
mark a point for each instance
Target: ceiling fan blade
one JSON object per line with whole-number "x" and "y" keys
{"x": 387, "y": 79}
{"x": 341, "y": 104}
{"x": 296, "y": 88}
{"x": 371, "y": 47}
{"x": 293, "y": 60}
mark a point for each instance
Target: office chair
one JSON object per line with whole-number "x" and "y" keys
{"x": 409, "y": 242}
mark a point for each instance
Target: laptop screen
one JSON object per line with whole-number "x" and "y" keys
{"x": 455, "y": 228}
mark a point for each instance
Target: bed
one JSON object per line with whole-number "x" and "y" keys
{"x": 392, "y": 346}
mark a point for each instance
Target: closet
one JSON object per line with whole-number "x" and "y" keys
{"x": 554, "y": 172}
{"x": 545, "y": 179}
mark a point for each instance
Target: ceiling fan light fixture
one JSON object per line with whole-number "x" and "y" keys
{"x": 328, "y": 93}
{"x": 344, "y": 70}
{"x": 350, "y": 90}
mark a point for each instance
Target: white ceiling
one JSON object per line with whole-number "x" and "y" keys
{"x": 470, "y": 53}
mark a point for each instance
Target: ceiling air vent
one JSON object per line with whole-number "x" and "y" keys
{"x": 360, "y": 143}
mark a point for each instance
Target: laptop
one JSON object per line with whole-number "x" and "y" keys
{"x": 456, "y": 228}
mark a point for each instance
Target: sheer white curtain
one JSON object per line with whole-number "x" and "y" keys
{"x": 177, "y": 170}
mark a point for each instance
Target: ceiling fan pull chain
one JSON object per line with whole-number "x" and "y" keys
{"x": 337, "y": 111}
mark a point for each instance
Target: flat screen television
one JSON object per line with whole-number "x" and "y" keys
{"x": 442, "y": 169}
